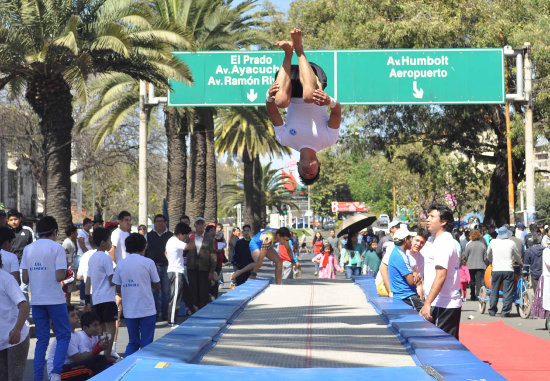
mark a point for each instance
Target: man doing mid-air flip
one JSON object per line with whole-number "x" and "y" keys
{"x": 308, "y": 127}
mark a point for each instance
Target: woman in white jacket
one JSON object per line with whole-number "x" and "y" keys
{"x": 541, "y": 305}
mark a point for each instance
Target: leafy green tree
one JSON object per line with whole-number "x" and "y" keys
{"x": 50, "y": 48}
{"x": 478, "y": 132}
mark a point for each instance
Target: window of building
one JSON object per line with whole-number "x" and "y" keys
{"x": 12, "y": 183}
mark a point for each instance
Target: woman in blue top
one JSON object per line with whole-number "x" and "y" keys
{"x": 352, "y": 255}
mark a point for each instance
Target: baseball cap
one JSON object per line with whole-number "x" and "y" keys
{"x": 402, "y": 233}
{"x": 394, "y": 223}
{"x": 199, "y": 219}
{"x": 520, "y": 224}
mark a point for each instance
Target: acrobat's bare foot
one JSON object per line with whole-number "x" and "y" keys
{"x": 296, "y": 36}
{"x": 286, "y": 46}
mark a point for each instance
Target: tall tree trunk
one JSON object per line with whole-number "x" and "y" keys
{"x": 496, "y": 207}
{"x": 248, "y": 185}
{"x": 176, "y": 180}
{"x": 257, "y": 173}
{"x": 50, "y": 97}
{"x": 196, "y": 196}
{"x": 211, "y": 202}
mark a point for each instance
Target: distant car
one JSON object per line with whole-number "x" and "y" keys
{"x": 328, "y": 225}
{"x": 383, "y": 220}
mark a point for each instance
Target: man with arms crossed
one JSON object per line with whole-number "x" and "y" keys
{"x": 308, "y": 127}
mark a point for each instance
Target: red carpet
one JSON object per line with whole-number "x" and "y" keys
{"x": 516, "y": 355}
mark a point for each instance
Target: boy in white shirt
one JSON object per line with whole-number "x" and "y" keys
{"x": 179, "y": 288}
{"x": 83, "y": 360}
{"x": 134, "y": 277}
{"x": 100, "y": 278}
{"x": 44, "y": 266}
{"x": 10, "y": 263}
{"x": 82, "y": 274}
{"x": 70, "y": 246}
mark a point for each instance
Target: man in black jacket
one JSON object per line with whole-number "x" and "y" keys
{"x": 23, "y": 234}
{"x": 23, "y": 237}
{"x": 533, "y": 257}
{"x": 242, "y": 256}
{"x": 156, "y": 248}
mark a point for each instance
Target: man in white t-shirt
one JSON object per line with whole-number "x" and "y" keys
{"x": 70, "y": 246}
{"x": 100, "y": 279}
{"x": 415, "y": 256}
{"x": 83, "y": 239}
{"x": 179, "y": 287}
{"x": 44, "y": 266}
{"x": 443, "y": 303}
{"x": 134, "y": 277}
{"x": 308, "y": 127}
{"x": 119, "y": 235}
{"x": 10, "y": 263}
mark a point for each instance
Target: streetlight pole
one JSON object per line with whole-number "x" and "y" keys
{"x": 147, "y": 100}
{"x": 529, "y": 148}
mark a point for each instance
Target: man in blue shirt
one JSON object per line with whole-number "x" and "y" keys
{"x": 403, "y": 280}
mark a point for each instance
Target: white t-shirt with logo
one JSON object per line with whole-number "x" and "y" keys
{"x": 10, "y": 263}
{"x": 41, "y": 259}
{"x": 118, "y": 240}
{"x": 83, "y": 267}
{"x": 71, "y": 351}
{"x": 443, "y": 252}
{"x": 174, "y": 252}
{"x": 135, "y": 274}
{"x": 306, "y": 126}
{"x": 10, "y": 297}
{"x": 83, "y": 234}
{"x": 100, "y": 267}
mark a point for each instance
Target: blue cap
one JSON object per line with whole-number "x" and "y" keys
{"x": 520, "y": 224}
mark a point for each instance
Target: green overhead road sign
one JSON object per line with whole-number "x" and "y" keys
{"x": 355, "y": 77}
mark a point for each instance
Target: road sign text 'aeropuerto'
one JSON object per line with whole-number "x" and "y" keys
{"x": 360, "y": 77}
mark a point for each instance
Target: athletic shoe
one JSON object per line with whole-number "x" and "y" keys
{"x": 492, "y": 313}
{"x": 115, "y": 355}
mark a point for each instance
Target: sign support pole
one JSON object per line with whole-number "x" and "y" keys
{"x": 529, "y": 148}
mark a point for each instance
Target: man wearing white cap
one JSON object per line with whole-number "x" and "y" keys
{"x": 403, "y": 279}
{"x": 502, "y": 253}
{"x": 387, "y": 239}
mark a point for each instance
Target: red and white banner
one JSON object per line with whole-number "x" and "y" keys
{"x": 349, "y": 206}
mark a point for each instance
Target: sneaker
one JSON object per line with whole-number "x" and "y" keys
{"x": 492, "y": 313}
{"x": 506, "y": 314}
{"x": 114, "y": 354}
{"x": 55, "y": 377}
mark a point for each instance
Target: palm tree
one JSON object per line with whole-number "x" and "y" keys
{"x": 247, "y": 133}
{"x": 49, "y": 49}
{"x": 273, "y": 193}
{"x": 207, "y": 25}
{"x": 215, "y": 25}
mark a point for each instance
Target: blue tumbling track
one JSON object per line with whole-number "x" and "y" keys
{"x": 176, "y": 355}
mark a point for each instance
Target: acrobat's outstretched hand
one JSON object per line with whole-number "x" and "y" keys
{"x": 320, "y": 98}
{"x": 274, "y": 89}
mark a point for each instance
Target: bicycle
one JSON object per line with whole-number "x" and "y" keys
{"x": 523, "y": 292}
